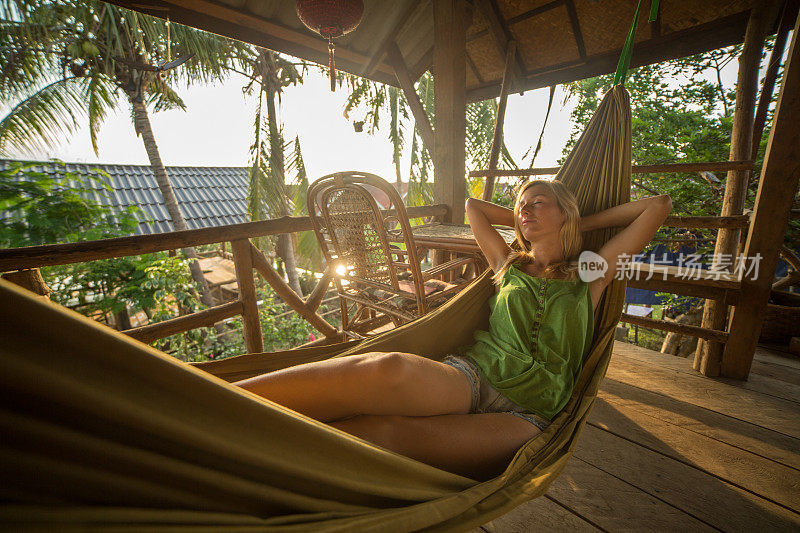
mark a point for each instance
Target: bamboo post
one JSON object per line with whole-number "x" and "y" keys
{"x": 708, "y": 354}
{"x": 497, "y": 138}
{"x": 243, "y": 261}
{"x": 776, "y": 191}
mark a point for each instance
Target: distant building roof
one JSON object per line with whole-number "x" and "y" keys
{"x": 208, "y": 196}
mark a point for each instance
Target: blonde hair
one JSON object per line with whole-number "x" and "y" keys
{"x": 569, "y": 234}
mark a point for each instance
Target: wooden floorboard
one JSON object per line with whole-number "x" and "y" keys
{"x": 771, "y": 480}
{"x": 706, "y": 423}
{"x": 777, "y": 365}
{"x": 705, "y": 497}
{"x": 755, "y": 382}
{"x": 765, "y": 410}
{"x": 668, "y": 449}
{"x": 540, "y": 514}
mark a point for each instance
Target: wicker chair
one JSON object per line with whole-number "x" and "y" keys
{"x": 373, "y": 256}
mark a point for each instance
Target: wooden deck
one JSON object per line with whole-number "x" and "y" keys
{"x": 668, "y": 449}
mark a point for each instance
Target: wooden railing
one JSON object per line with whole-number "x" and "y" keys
{"x": 246, "y": 258}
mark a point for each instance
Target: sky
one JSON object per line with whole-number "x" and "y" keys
{"x": 217, "y": 129}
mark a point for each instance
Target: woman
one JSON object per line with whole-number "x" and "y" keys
{"x": 470, "y": 413}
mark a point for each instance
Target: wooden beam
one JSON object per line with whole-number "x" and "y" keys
{"x": 705, "y": 37}
{"x": 500, "y": 34}
{"x": 389, "y": 39}
{"x": 205, "y": 318}
{"x": 473, "y": 68}
{"x": 79, "y": 252}
{"x": 243, "y": 261}
{"x": 788, "y": 16}
{"x": 261, "y": 264}
{"x": 314, "y": 300}
{"x": 407, "y": 85}
{"x": 243, "y": 25}
{"x": 525, "y": 15}
{"x": 424, "y": 63}
{"x": 449, "y": 24}
{"x": 776, "y": 190}
{"x": 576, "y": 28}
{"x": 735, "y": 221}
{"x": 30, "y": 279}
{"x": 708, "y": 354}
{"x": 497, "y": 138}
{"x": 683, "y": 329}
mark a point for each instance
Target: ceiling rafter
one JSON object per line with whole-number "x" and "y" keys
{"x": 709, "y": 36}
{"x": 223, "y": 20}
{"x": 474, "y": 69}
{"x": 421, "y": 120}
{"x": 378, "y": 53}
{"x": 576, "y": 28}
{"x": 501, "y": 34}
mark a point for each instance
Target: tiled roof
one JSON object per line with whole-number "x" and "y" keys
{"x": 208, "y": 196}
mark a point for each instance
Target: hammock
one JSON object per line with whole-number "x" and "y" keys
{"x": 102, "y": 430}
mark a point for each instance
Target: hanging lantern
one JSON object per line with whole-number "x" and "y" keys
{"x": 331, "y": 19}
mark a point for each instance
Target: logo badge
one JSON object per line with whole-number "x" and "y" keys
{"x": 591, "y": 266}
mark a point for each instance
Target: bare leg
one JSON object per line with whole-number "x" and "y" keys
{"x": 373, "y": 383}
{"x": 478, "y": 446}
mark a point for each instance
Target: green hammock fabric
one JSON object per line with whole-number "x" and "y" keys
{"x": 104, "y": 431}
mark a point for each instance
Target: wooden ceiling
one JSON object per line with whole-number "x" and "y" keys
{"x": 558, "y": 41}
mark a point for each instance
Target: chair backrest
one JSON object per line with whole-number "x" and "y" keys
{"x": 356, "y": 236}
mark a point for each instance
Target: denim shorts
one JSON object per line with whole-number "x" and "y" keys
{"x": 486, "y": 399}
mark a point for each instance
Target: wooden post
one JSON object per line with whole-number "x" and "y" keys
{"x": 497, "y": 139}
{"x": 31, "y": 279}
{"x": 450, "y": 101}
{"x": 776, "y": 191}
{"x": 315, "y": 298}
{"x": 407, "y": 85}
{"x": 787, "y": 20}
{"x": 708, "y": 354}
{"x": 243, "y": 261}
{"x": 291, "y": 298}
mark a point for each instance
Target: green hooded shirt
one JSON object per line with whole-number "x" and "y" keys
{"x": 540, "y": 331}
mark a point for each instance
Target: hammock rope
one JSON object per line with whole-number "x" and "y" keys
{"x": 627, "y": 50}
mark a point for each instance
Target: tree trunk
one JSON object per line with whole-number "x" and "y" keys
{"x": 141, "y": 122}
{"x": 285, "y": 249}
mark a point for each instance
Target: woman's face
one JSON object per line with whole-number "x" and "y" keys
{"x": 539, "y": 213}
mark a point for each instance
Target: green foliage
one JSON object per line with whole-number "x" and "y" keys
{"x": 687, "y": 120}
{"x": 68, "y": 60}
{"x": 379, "y": 98}
{"x": 39, "y": 210}
{"x": 281, "y": 329}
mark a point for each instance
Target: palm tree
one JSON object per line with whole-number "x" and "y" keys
{"x": 380, "y": 98}
{"x": 269, "y": 196}
{"x": 65, "y": 59}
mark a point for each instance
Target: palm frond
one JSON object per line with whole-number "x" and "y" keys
{"x": 100, "y": 98}
{"x": 44, "y": 119}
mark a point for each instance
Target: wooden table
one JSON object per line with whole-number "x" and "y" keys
{"x": 452, "y": 237}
